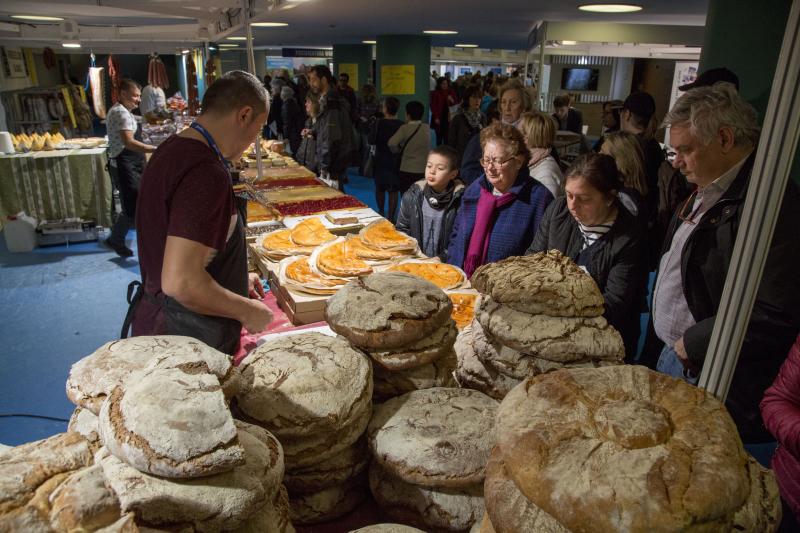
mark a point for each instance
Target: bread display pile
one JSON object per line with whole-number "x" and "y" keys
{"x": 152, "y": 444}
{"x": 403, "y": 323}
{"x": 622, "y": 448}
{"x": 537, "y": 313}
{"x": 430, "y": 449}
{"x": 314, "y": 392}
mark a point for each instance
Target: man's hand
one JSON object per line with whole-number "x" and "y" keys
{"x": 257, "y": 317}
{"x": 254, "y": 287}
{"x": 683, "y": 357}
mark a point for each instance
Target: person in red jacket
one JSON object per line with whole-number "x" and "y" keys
{"x": 780, "y": 410}
{"x": 441, "y": 100}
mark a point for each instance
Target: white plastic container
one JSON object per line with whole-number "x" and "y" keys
{"x": 20, "y": 232}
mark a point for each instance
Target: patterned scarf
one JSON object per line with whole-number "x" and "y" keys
{"x": 473, "y": 118}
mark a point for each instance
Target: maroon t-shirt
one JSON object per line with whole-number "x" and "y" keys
{"x": 185, "y": 191}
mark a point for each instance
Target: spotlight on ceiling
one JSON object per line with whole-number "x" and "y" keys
{"x": 610, "y": 8}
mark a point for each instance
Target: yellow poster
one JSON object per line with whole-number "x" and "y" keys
{"x": 351, "y": 69}
{"x": 397, "y": 79}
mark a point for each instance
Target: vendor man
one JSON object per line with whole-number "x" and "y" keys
{"x": 191, "y": 237}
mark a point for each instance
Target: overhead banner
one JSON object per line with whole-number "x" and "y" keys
{"x": 397, "y": 79}
{"x": 306, "y": 52}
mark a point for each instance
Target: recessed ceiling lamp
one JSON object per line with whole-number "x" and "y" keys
{"x": 38, "y": 18}
{"x": 569, "y": 43}
{"x": 237, "y": 38}
{"x": 610, "y": 8}
{"x": 228, "y": 45}
{"x": 71, "y": 44}
{"x": 185, "y": 51}
{"x": 440, "y": 32}
{"x": 466, "y": 45}
{"x": 370, "y": 42}
{"x": 269, "y": 24}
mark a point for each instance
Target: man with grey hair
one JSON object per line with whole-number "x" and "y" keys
{"x": 715, "y": 133}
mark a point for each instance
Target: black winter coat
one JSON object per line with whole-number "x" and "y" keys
{"x": 618, "y": 263}
{"x": 775, "y": 320}
{"x": 409, "y": 220}
{"x": 334, "y": 134}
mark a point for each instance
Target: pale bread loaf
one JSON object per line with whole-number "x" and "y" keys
{"x": 85, "y": 423}
{"x": 334, "y": 471}
{"x": 83, "y": 502}
{"x": 439, "y": 373}
{"x": 472, "y": 373}
{"x": 387, "y": 528}
{"x": 327, "y": 504}
{"x": 273, "y": 517}
{"x": 435, "y": 346}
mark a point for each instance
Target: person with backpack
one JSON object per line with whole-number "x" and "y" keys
{"x": 412, "y": 141}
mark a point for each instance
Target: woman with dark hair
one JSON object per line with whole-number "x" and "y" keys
{"x": 611, "y": 110}
{"x": 387, "y": 164}
{"x": 501, "y": 210}
{"x": 441, "y": 99}
{"x": 469, "y": 121}
{"x": 591, "y": 226}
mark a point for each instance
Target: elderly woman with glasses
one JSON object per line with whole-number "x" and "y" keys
{"x": 501, "y": 210}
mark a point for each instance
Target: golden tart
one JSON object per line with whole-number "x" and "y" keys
{"x": 299, "y": 275}
{"x": 279, "y": 243}
{"x": 463, "y": 308}
{"x": 311, "y": 232}
{"x": 382, "y": 234}
{"x": 442, "y": 275}
{"x": 339, "y": 259}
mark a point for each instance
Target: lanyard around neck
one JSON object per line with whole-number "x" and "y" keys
{"x": 210, "y": 140}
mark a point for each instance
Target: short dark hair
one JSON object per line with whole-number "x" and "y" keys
{"x": 127, "y": 84}
{"x": 448, "y": 152}
{"x": 562, "y": 100}
{"x": 469, "y": 92}
{"x": 600, "y": 170}
{"x": 493, "y": 111}
{"x": 322, "y": 71}
{"x": 392, "y": 105}
{"x": 344, "y": 75}
{"x": 233, "y": 91}
{"x": 414, "y": 110}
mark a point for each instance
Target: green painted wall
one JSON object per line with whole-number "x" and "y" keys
{"x": 361, "y": 55}
{"x": 406, "y": 50}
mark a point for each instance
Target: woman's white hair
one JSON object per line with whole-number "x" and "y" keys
{"x": 706, "y": 109}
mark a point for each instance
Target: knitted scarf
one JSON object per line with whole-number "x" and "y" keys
{"x": 487, "y": 210}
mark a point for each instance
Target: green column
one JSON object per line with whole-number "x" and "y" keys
{"x": 403, "y": 69}
{"x": 350, "y": 57}
{"x": 746, "y": 37}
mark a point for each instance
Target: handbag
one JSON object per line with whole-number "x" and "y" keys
{"x": 399, "y": 161}
{"x": 369, "y": 165}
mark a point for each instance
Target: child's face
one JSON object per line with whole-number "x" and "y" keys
{"x": 438, "y": 172}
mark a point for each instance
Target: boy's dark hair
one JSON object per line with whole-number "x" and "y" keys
{"x": 449, "y": 153}
{"x": 392, "y": 105}
{"x": 414, "y": 110}
{"x": 233, "y": 91}
{"x": 469, "y": 92}
{"x": 322, "y": 71}
{"x": 562, "y": 100}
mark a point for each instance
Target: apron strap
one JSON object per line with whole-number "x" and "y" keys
{"x": 135, "y": 293}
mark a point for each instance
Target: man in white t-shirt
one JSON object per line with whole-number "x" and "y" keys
{"x": 125, "y": 161}
{"x": 153, "y": 99}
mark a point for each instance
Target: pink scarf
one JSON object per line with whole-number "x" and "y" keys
{"x": 488, "y": 206}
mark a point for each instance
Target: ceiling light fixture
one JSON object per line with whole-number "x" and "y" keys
{"x": 370, "y": 42}
{"x": 610, "y": 8}
{"x": 228, "y": 45}
{"x": 677, "y": 50}
{"x": 466, "y": 46}
{"x": 237, "y": 38}
{"x": 38, "y": 18}
{"x": 185, "y": 51}
{"x": 569, "y": 43}
{"x": 71, "y": 44}
{"x": 440, "y": 32}
{"x": 269, "y": 24}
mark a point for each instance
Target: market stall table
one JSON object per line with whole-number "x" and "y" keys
{"x": 56, "y": 185}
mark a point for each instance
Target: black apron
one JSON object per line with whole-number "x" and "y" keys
{"x": 127, "y": 173}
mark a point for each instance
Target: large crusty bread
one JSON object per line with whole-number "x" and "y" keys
{"x": 435, "y": 346}
{"x": 392, "y": 383}
{"x": 472, "y": 373}
{"x": 387, "y": 310}
{"x": 625, "y": 448}
{"x": 83, "y": 502}
{"x": 327, "y": 504}
{"x": 334, "y": 471}
{"x": 273, "y": 517}
{"x": 544, "y": 283}
{"x": 85, "y": 423}
{"x": 387, "y": 528}
{"x": 437, "y": 437}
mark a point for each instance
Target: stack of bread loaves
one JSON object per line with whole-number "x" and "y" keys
{"x": 167, "y": 452}
{"x": 314, "y": 392}
{"x": 622, "y": 448}
{"x": 430, "y": 449}
{"x": 537, "y": 313}
{"x": 403, "y": 322}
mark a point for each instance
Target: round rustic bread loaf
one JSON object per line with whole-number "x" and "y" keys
{"x": 762, "y": 510}
{"x": 541, "y": 284}
{"x": 84, "y": 422}
{"x": 441, "y": 509}
{"x": 387, "y": 528}
{"x": 387, "y": 310}
{"x": 273, "y": 517}
{"x": 472, "y": 373}
{"x": 389, "y": 384}
{"x": 83, "y": 502}
{"x": 558, "y": 339}
{"x": 327, "y": 504}
{"x": 485, "y": 526}
{"x": 92, "y": 378}
{"x": 624, "y": 448}
{"x": 435, "y": 346}
{"x": 305, "y": 384}
{"x": 171, "y": 423}
{"x": 437, "y": 437}
{"x": 334, "y": 471}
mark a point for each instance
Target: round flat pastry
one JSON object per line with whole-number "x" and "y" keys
{"x": 392, "y": 383}
{"x": 541, "y": 284}
{"x": 472, "y": 373}
{"x": 427, "y": 508}
{"x": 311, "y": 232}
{"x": 368, "y": 253}
{"x": 336, "y": 258}
{"x": 463, "y": 307}
{"x": 437, "y": 437}
{"x": 278, "y": 244}
{"x": 304, "y": 384}
{"x": 171, "y": 423}
{"x": 92, "y": 378}
{"x": 387, "y": 310}
{"x": 327, "y": 504}
{"x": 442, "y": 275}
{"x": 334, "y": 471}
{"x": 558, "y": 339}
{"x": 427, "y": 350}
{"x": 626, "y": 448}
{"x": 382, "y": 234}
{"x": 296, "y": 273}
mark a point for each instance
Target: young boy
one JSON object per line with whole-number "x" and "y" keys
{"x": 429, "y": 206}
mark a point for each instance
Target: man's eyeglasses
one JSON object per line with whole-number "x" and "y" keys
{"x": 496, "y": 163}
{"x": 683, "y": 216}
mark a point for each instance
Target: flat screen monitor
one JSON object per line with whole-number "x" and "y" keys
{"x": 579, "y": 79}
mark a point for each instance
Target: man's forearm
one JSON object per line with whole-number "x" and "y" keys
{"x": 207, "y": 297}
{"x": 136, "y": 146}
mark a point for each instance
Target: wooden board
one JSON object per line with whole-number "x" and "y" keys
{"x": 278, "y": 173}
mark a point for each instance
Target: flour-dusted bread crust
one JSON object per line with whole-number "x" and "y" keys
{"x": 83, "y": 502}
{"x": 558, "y": 339}
{"x": 472, "y": 373}
{"x": 762, "y": 510}
{"x": 274, "y": 465}
{"x": 433, "y": 347}
{"x": 392, "y": 383}
{"x": 437, "y": 437}
{"x": 31, "y": 472}
{"x": 327, "y": 504}
{"x": 92, "y": 378}
{"x": 334, "y": 471}
{"x": 305, "y": 384}
{"x": 84, "y": 422}
{"x": 544, "y": 283}
{"x": 171, "y": 423}
{"x": 442, "y": 509}
{"x": 273, "y": 517}
{"x": 387, "y": 528}
{"x": 624, "y": 448}
{"x": 387, "y": 310}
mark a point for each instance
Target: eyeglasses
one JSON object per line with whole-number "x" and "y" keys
{"x": 489, "y": 163}
{"x": 689, "y": 218}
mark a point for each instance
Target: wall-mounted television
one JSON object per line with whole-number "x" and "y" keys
{"x": 579, "y": 79}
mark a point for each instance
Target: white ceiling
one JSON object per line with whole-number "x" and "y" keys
{"x": 496, "y": 24}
